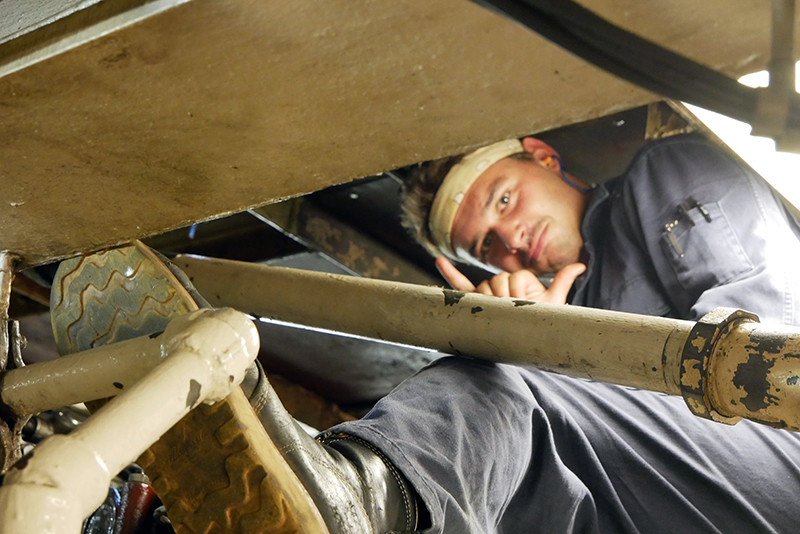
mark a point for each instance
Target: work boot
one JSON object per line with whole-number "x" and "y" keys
{"x": 338, "y": 470}
{"x": 222, "y": 468}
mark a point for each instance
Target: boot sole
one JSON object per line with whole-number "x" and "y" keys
{"x": 216, "y": 471}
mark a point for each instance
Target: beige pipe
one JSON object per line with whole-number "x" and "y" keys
{"x": 67, "y": 477}
{"x": 93, "y": 374}
{"x": 726, "y": 365}
{"x": 756, "y": 374}
{"x": 627, "y": 349}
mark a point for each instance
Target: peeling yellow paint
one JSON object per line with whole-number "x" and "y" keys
{"x": 691, "y": 377}
{"x": 696, "y": 406}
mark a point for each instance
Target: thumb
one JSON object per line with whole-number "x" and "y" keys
{"x": 563, "y": 280}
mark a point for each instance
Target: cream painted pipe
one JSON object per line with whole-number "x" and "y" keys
{"x": 755, "y": 373}
{"x": 93, "y": 374}
{"x": 627, "y": 349}
{"x": 67, "y": 477}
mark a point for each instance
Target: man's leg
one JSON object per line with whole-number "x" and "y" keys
{"x": 652, "y": 465}
{"x": 471, "y": 438}
{"x": 493, "y": 448}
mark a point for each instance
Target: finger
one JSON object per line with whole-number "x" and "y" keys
{"x": 453, "y": 276}
{"x": 562, "y": 282}
{"x": 499, "y": 285}
{"x": 524, "y": 284}
{"x": 484, "y": 289}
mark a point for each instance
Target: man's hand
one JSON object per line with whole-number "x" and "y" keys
{"x": 521, "y": 284}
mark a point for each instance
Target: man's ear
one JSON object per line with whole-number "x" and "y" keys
{"x": 542, "y": 153}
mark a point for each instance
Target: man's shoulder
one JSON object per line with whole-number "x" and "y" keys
{"x": 680, "y": 163}
{"x": 685, "y": 149}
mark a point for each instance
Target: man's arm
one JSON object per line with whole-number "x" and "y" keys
{"x": 522, "y": 284}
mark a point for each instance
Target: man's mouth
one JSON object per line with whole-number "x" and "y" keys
{"x": 537, "y": 245}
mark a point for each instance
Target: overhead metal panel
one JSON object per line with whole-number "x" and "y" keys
{"x": 131, "y": 118}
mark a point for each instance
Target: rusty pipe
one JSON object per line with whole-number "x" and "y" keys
{"x": 751, "y": 371}
{"x": 726, "y": 366}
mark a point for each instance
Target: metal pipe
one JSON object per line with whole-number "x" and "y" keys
{"x": 781, "y": 63}
{"x": 67, "y": 477}
{"x": 756, "y": 374}
{"x": 7, "y": 261}
{"x": 774, "y": 104}
{"x": 726, "y": 366}
{"x": 93, "y": 374}
{"x": 633, "y": 350}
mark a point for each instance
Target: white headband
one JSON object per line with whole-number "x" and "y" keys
{"x": 456, "y": 184}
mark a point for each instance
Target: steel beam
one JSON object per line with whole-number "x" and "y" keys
{"x": 7, "y": 261}
{"x": 313, "y": 227}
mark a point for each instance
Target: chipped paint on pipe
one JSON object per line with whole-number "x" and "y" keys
{"x": 627, "y": 349}
{"x": 66, "y": 477}
{"x": 93, "y": 374}
{"x": 755, "y": 373}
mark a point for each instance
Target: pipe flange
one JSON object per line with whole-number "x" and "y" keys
{"x": 696, "y": 354}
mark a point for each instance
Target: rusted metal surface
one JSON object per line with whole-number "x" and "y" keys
{"x": 346, "y": 245}
{"x": 16, "y": 342}
{"x": 733, "y": 367}
{"x": 664, "y": 121}
{"x": 696, "y": 377}
{"x": 213, "y": 107}
{"x": 756, "y": 374}
{"x": 11, "y": 342}
{"x": 7, "y": 261}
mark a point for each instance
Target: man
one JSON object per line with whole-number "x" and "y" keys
{"x": 470, "y": 447}
{"x": 685, "y": 230}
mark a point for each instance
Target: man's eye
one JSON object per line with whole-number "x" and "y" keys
{"x": 503, "y": 201}
{"x": 485, "y": 244}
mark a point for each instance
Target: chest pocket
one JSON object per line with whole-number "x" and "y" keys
{"x": 703, "y": 249}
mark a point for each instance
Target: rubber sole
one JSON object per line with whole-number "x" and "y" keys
{"x": 216, "y": 471}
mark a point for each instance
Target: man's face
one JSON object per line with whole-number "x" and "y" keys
{"x": 520, "y": 215}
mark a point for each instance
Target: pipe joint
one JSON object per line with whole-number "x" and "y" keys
{"x": 696, "y": 355}
{"x": 66, "y": 477}
{"x": 200, "y": 333}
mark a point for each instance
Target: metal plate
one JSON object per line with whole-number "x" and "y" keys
{"x": 214, "y": 106}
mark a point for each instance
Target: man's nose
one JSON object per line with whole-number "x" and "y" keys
{"x": 512, "y": 235}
